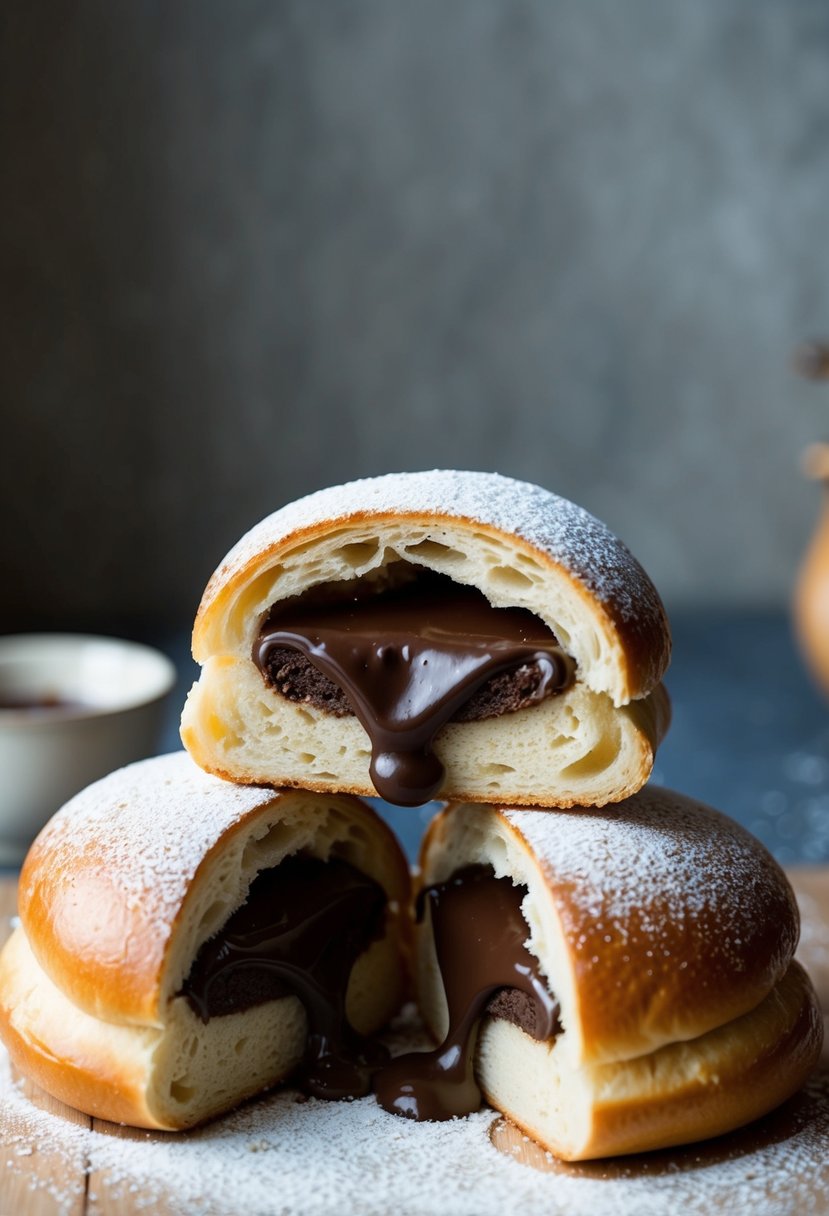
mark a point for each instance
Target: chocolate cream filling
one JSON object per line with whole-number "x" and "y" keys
{"x": 405, "y": 661}
{"x": 300, "y": 931}
{"x": 479, "y": 932}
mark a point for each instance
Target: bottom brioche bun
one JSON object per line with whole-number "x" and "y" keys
{"x": 680, "y": 1093}
{"x": 117, "y": 896}
{"x": 666, "y": 932}
{"x": 572, "y": 749}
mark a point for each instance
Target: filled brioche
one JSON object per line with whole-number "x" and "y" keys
{"x": 447, "y": 634}
{"x": 614, "y": 981}
{"x": 185, "y": 943}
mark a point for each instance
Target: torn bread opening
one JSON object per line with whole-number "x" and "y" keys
{"x": 480, "y": 940}
{"x": 406, "y": 654}
{"x": 299, "y": 932}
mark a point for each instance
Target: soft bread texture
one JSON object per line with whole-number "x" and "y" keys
{"x": 521, "y": 546}
{"x": 118, "y": 893}
{"x": 666, "y": 932}
{"x": 676, "y": 1095}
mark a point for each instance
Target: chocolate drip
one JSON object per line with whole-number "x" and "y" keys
{"x": 303, "y": 925}
{"x": 409, "y": 660}
{"x": 479, "y": 935}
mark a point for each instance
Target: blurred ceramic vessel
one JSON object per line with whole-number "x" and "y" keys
{"x": 811, "y": 594}
{"x": 72, "y": 708}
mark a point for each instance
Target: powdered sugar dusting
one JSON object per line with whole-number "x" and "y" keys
{"x": 147, "y": 828}
{"x": 285, "y": 1156}
{"x": 661, "y": 866}
{"x": 582, "y": 544}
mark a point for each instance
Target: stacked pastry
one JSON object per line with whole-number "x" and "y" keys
{"x": 185, "y": 943}
{"x": 609, "y": 965}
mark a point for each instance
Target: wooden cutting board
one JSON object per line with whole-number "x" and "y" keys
{"x": 60, "y": 1183}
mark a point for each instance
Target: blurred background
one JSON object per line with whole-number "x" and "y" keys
{"x": 251, "y": 249}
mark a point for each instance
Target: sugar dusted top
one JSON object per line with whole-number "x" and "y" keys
{"x": 671, "y": 911}
{"x": 105, "y": 879}
{"x": 656, "y": 848}
{"x": 151, "y": 824}
{"x": 571, "y": 536}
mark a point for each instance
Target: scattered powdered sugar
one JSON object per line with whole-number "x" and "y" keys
{"x": 585, "y": 546}
{"x": 285, "y": 1156}
{"x": 146, "y": 829}
{"x": 659, "y": 868}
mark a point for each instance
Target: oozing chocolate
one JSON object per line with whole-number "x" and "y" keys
{"x": 479, "y": 933}
{"x": 300, "y": 931}
{"x": 406, "y": 662}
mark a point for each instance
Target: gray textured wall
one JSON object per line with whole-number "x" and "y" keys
{"x": 250, "y": 248}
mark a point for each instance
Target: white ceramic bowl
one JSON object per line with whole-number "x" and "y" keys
{"x": 110, "y": 696}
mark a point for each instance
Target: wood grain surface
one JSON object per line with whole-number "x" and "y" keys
{"x": 25, "y": 1188}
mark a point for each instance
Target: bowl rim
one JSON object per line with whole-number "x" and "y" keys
{"x": 35, "y": 645}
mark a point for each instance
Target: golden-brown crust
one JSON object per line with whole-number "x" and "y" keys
{"x": 745, "y": 1089}
{"x": 76, "y": 1069}
{"x": 560, "y": 536}
{"x": 104, "y": 1071}
{"x": 101, "y": 907}
{"x": 728, "y": 1078}
{"x": 102, "y": 886}
{"x": 673, "y": 919}
{"x": 644, "y": 642}
{"x": 111, "y": 1097}
{"x": 702, "y": 987}
{"x": 100, "y": 952}
{"x": 116, "y": 897}
{"x": 520, "y": 546}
